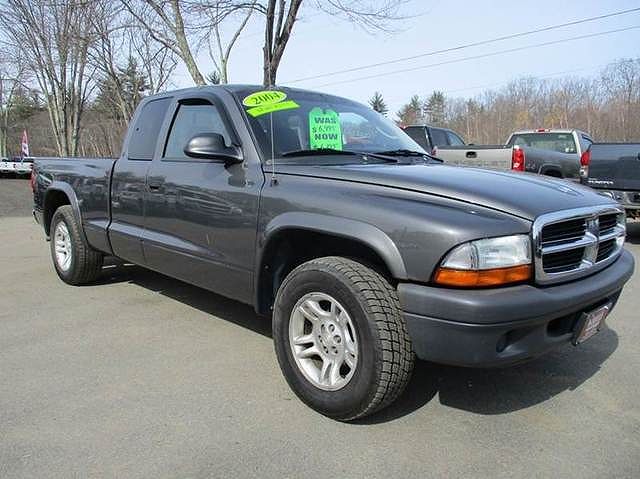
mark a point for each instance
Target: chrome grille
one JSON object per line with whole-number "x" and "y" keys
{"x": 574, "y": 243}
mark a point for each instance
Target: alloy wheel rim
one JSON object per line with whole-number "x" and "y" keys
{"x": 62, "y": 246}
{"x": 323, "y": 341}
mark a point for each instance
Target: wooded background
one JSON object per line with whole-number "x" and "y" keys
{"x": 73, "y": 71}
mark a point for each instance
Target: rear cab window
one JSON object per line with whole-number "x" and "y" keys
{"x": 144, "y": 134}
{"x": 560, "y": 142}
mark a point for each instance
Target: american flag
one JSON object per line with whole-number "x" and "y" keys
{"x": 25, "y": 144}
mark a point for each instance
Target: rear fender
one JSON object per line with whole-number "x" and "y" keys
{"x": 48, "y": 211}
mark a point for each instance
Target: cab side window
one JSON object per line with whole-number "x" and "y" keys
{"x": 454, "y": 140}
{"x": 143, "y": 139}
{"x": 438, "y": 137}
{"x": 191, "y": 120}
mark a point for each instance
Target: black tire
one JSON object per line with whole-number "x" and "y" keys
{"x": 385, "y": 357}
{"x": 86, "y": 263}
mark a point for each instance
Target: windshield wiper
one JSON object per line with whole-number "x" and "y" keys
{"x": 402, "y": 152}
{"x": 331, "y": 151}
{"x": 411, "y": 153}
{"x": 318, "y": 152}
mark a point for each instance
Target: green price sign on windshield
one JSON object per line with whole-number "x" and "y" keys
{"x": 324, "y": 129}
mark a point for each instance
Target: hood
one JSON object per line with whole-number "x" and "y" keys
{"x": 521, "y": 194}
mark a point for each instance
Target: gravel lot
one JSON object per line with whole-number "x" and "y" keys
{"x": 144, "y": 376}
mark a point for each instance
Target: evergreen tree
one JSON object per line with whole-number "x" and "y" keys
{"x": 411, "y": 113}
{"x": 378, "y": 104}
{"x": 119, "y": 94}
{"x": 434, "y": 108}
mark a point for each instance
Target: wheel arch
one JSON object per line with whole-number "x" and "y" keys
{"x": 293, "y": 238}
{"x": 59, "y": 194}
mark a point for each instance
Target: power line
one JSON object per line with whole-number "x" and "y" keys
{"x": 538, "y": 77}
{"x": 485, "y": 55}
{"x": 506, "y": 82}
{"x": 469, "y": 45}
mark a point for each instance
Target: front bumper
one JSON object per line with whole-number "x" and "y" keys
{"x": 500, "y": 326}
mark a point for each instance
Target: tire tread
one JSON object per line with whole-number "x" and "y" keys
{"x": 87, "y": 262}
{"x": 382, "y": 306}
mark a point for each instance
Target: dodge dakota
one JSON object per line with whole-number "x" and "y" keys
{"x": 325, "y": 216}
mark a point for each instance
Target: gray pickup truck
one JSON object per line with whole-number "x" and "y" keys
{"x": 324, "y": 215}
{"x": 549, "y": 152}
{"x": 613, "y": 170}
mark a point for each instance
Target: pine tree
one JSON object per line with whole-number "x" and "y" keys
{"x": 434, "y": 108}
{"x": 411, "y": 113}
{"x": 378, "y": 104}
{"x": 119, "y": 95}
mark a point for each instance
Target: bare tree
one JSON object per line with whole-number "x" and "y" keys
{"x": 166, "y": 22}
{"x": 12, "y": 77}
{"x": 281, "y": 16}
{"x": 183, "y": 26}
{"x": 55, "y": 39}
{"x": 221, "y": 12}
{"x": 621, "y": 85}
{"x": 129, "y": 62}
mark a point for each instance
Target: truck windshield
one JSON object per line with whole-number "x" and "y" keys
{"x": 560, "y": 142}
{"x": 306, "y": 121}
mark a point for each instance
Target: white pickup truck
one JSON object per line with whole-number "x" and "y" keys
{"x": 6, "y": 166}
{"x": 548, "y": 152}
{"x": 16, "y": 166}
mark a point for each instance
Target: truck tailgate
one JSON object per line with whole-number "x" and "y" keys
{"x": 490, "y": 157}
{"x": 615, "y": 166}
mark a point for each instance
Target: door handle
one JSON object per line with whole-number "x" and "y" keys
{"x": 471, "y": 154}
{"x": 154, "y": 185}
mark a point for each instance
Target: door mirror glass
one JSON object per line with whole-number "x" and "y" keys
{"x": 211, "y": 146}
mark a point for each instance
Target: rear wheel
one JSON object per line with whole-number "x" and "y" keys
{"x": 340, "y": 338}
{"x": 74, "y": 260}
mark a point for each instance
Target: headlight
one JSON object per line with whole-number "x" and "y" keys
{"x": 487, "y": 262}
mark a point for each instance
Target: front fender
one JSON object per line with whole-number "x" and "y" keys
{"x": 362, "y": 232}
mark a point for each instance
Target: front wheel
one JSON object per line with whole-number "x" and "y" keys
{"x": 340, "y": 338}
{"x": 73, "y": 258}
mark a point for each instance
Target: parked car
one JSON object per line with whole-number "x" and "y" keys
{"x": 363, "y": 249}
{"x": 430, "y": 137}
{"x": 543, "y": 151}
{"x": 7, "y": 166}
{"x": 23, "y": 166}
{"x": 613, "y": 169}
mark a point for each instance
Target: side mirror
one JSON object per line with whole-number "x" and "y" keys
{"x": 210, "y": 146}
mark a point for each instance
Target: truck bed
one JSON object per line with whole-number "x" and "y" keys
{"x": 615, "y": 165}
{"x": 498, "y": 157}
{"x": 614, "y": 169}
{"x": 89, "y": 179}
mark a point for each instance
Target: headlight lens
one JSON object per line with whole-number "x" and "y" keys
{"x": 487, "y": 262}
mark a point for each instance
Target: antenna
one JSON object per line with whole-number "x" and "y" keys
{"x": 274, "y": 180}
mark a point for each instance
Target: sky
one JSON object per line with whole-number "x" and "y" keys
{"x": 322, "y": 44}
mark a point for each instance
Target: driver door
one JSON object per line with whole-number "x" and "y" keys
{"x": 201, "y": 215}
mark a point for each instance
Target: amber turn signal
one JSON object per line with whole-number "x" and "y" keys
{"x": 483, "y": 277}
